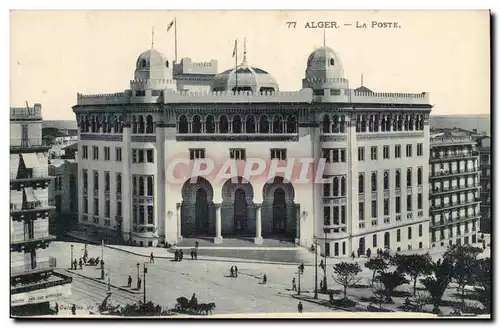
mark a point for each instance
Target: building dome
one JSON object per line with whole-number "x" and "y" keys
{"x": 152, "y": 64}
{"x": 245, "y": 78}
{"x": 325, "y": 72}
{"x": 325, "y": 59}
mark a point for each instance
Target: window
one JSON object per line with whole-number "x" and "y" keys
{"x": 361, "y": 181}
{"x": 408, "y": 150}
{"x": 96, "y": 180}
{"x": 408, "y": 203}
{"x": 238, "y": 154}
{"x": 374, "y": 241}
{"x": 374, "y": 181}
{"x": 95, "y": 152}
{"x": 149, "y": 156}
{"x": 421, "y": 230}
{"x": 419, "y": 201}
{"x": 420, "y": 245}
{"x": 397, "y": 151}
{"x": 342, "y": 155}
{"x": 361, "y": 207}
{"x": 106, "y": 181}
{"x": 420, "y": 149}
{"x": 278, "y": 153}
{"x": 386, "y": 206}
{"x": 96, "y": 207}
{"x": 398, "y": 235}
{"x": 118, "y": 183}
{"x": 409, "y": 233}
{"x": 386, "y": 180}
{"x": 106, "y": 209}
{"x": 386, "y": 152}
{"x": 326, "y": 215}
{"x": 361, "y": 154}
{"x": 398, "y": 179}
{"x": 134, "y": 155}
{"x": 408, "y": 177}
{"x": 118, "y": 208}
{"x": 196, "y": 153}
{"x": 85, "y": 205}
{"x": 85, "y": 152}
{"x": 150, "y": 214}
{"x": 326, "y": 190}
{"x": 150, "y": 186}
{"x": 374, "y": 209}
{"x": 398, "y": 204}
{"x": 419, "y": 176}
{"x": 373, "y": 153}
{"x": 106, "y": 154}
{"x": 85, "y": 179}
{"x": 118, "y": 154}
{"x": 141, "y": 155}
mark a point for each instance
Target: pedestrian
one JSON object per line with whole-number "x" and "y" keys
{"x": 73, "y": 309}
{"x": 368, "y": 253}
{"x": 321, "y": 285}
{"x": 232, "y": 271}
{"x": 181, "y": 254}
{"x": 102, "y": 264}
{"x": 484, "y": 244}
{"x": 129, "y": 281}
{"x": 359, "y": 252}
{"x": 192, "y": 254}
{"x": 352, "y": 255}
{"x": 56, "y": 310}
{"x": 80, "y": 263}
{"x": 139, "y": 283}
{"x": 264, "y": 279}
{"x": 195, "y": 254}
{"x": 236, "y": 271}
{"x": 302, "y": 268}
{"x": 176, "y": 255}
{"x": 300, "y": 307}
{"x": 196, "y": 244}
{"x": 322, "y": 265}
{"x": 151, "y": 258}
{"x": 294, "y": 286}
{"x": 75, "y": 264}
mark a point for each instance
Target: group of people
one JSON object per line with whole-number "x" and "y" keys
{"x": 234, "y": 271}
{"x": 129, "y": 282}
{"x": 75, "y": 265}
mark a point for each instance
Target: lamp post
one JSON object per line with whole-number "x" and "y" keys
{"x": 325, "y": 230}
{"x": 315, "y": 269}
{"x": 102, "y": 259}
{"x": 138, "y": 266}
{"x": 71, "y": 263}
{"x": 298, "y": 274}
{"x": 109, "y": 280}
{"x": 144, "y": 296}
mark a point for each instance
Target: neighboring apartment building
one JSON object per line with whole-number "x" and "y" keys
{"x": 454, "y": 196}
{"x": 33, "y": 283}
{"x": 484, "y": 151}
{"x": 376, "y": 147}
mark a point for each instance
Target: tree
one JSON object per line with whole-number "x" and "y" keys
{"x": 390, "y": 281}
{"x": 414, "y": 265}
{"x": 455, "y": 253}
{"x": 377, "y": 265}
{"x": 483, "y": 278}
{"x": 346, "y": 274}
{"x": 137, "y": 310}
{"x": 379, "y": 292}
{"x": 442, "y": 274}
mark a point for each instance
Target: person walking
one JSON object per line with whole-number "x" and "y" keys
{"x": 236, "y": 271}
{"x": 73, "y": 309}
{"x": 368, "y": 253}
{"x": 196, "y": 254}
{"x": 151, "y": 258}
{"x": 181, "y": 255}
{"x": 294, "y": 286}
{"x": 139, "y": 283}
{"x": 300, "y": 307}
{"x": 80, "y": 263}
{"x": 56, "y": 310}
{"x": 352, "y": 255}
{"x": 264, "y": 279}
{"x": 232, "y": 271}
{"x": 129, "y": 281}
{"x": 75, "y": 264}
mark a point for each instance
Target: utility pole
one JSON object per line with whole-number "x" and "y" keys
{"x": 102, "y": 259}
{"x": 298, "y": 274}
{"x": 144, "y": 296}
{"x": 138, "y": 266}
{"x": 325, "y": 287}
{"x": 71, "y": 263}
{"x": 109, "y": 280}
{"x": 315, "y": 270}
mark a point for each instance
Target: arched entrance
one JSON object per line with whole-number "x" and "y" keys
{"x": 362, "y": 245}
{"x": 279, "y": 211}
{"x": 197, "y": 209}
{"x": 238, "y": 209}
{"x": 387, "y": 240}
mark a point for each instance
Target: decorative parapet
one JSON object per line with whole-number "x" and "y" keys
{"x": 103, "y": 98}
{"x": 24, "y": 113}
{"x": 390, "y": 97}
{"x": 302, "y": 96}
{"x": 449, "y": 141}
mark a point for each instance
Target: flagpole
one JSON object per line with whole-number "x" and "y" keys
{"x": 175, "y": 32}
{"x": 236, "y": 65}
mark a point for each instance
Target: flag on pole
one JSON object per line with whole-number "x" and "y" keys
{"x": 235, "y": 48}
{"x": 169, "y": 26}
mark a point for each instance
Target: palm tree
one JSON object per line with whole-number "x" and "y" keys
{"x": 436, "y": 284}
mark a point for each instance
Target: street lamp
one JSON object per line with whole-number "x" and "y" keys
{"x": 138, "y": 266}
{"x": 71, "y": 263}
{"x": 102, "y": 259}
{"x": 298, "y": 274}
{"x": 109, "y": 280}
{"x": 315, "y": 268}
{"x": 326, "y": 231}
{"x": 144, "y": 296}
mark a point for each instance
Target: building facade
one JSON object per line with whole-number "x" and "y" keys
{"x": 483, "y": 147}
{"x": 455, "y": 190}
{"x": 33, "y": 283}
{"x": 138, "y": 150}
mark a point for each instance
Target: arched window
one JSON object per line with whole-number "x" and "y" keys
{"x": 326, "y": 124}
{"x": 408, "y": 177}
{"x": 150, "y": 186}
{"x": 141, "y": 186}
{"x": 387, "y": 123}
{"x": 250, "y": 124}
{"x": 335, "y": 186}
{"x": 263, "y": 124}
{"x": 236, "y": 124}
{"x": 134, "y": 186}
{"x": 419, "y": 176}
{"x": 291, "y": 124}
{"x": 376, "y": 123}
{"x": 374, "y": 181}
{"x": 363, "y": 123}
{"x": 105, "y": 124}
{"x": 141, "y": 124}
{"x": 394, "y": 122}
{"x": 196, "y": 124}
{"x": 93, "y": 125}
{"x": 411, "y": 122}
{"x": 210, "y": 124}
{"x": 223, "y": 124}
{"x": 386, "y": 180}
{"x": 183, "y": 124}
{"x": 96, "y": 180}
{"x": 335, "y": 124}
{"x": 400, "y": 122}
{"x": 87, "y": 124}
{"x": 134, "y": 124}
{"x": 371, "y": 124}
{"x": 361, "y": 182}
{"x": 166, "y": 64}
{"x": 342, "y": 186}
{"x": 106, "y": 181}
{"x": 278, "y": 124}
{"x": 407, "y": 122}
{"x": 342, "y": 124}
{"x": 118, "y": 183}
{"x": 149, "y": 124}
{"x": 332, "y": 62}
{"x": 421, "y": 122}
{"x": 120, "y": 123}
{"x": 116, "y": 128}
{"x": 398, "y": 179}
{"x": 144, "y": 63}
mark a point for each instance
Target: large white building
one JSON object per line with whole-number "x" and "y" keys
{"x": 376, "y": 146}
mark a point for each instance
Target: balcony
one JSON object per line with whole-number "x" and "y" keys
{"x": 37, "y": 205}
{"x": 450, "y": 157}
{"x": 452, "y": 173}
{"x": 409, "y": 216}
{"x": 34, "y": 240}
{"x": 420, "y": 213}
{"x": 459, "y": 219}
{"x": 437, "y": 208}
{"x": 36, "y": 144}
{"x": 444, "y": 190}
{"x": 42, "y": 266}
{"x": 28, "y": 174}
{"x": 398, "y": 217}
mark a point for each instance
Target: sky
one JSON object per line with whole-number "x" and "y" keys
{"x": 56, "y": 54}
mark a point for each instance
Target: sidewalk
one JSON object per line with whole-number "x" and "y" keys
{"x": 88, "y": 275}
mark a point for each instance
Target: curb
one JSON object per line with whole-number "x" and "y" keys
{"x": 102, "y": 282}
{"x": 322, "y": 304}
{"x": 228, "y": 260}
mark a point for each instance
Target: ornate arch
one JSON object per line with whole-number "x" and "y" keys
{"x": 189, "y": 190}
{"x": 273, "y": 184}
{"x": 230, "y": 186}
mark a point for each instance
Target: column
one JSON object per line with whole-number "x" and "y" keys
{"x": 218, "y": 225}
{"x": 258, "y": 225}
{"x": 126, "y": 182}
{"x": 178, "y": 220}
{"x": 159, "y": 184}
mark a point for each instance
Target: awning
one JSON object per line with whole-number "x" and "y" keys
{"x": 30, "y": 160}
{"x": 14, "y": 165}
{"x": 30, "y": 194}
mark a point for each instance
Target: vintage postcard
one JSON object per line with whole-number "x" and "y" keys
{"x": 250, "y": 164}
